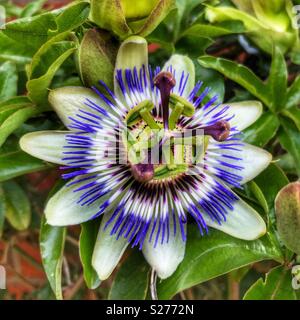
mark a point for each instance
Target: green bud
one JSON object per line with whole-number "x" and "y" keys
{"x": 139, "y": 9}
{"x": 287, "y": 208}
{"x": 126, "y": 17}
{"x": 96, "y": 58}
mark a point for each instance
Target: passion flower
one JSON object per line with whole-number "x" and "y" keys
{"x": 148, "y": 204}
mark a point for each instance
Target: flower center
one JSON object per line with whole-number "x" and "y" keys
{"x": 159, "y": 148}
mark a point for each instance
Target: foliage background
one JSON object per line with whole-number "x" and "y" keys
{"x": 215, "y": 267}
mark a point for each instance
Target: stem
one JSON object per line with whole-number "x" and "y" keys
{"x": 153, "y": 288}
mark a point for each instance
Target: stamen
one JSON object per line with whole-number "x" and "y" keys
{"x": 142, "y": 172}
{"x": 165, "y": 82}
{"x": 219, "y": 131}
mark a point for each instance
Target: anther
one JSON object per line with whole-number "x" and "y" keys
{"x": 220, "y": 130}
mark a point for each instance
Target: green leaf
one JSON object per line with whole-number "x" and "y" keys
{"x": 131, "y": 282}
{"x": 38, "y": 87}
{"x": 213, "y": 80}
{"x": 17, "y": 163}
{"x": 263, "y": 130}
{"x": 277, "y": 82}
{"x": 277, "y": 286}
{"x": 238, "y": 73}
{"x": 184, "y": 9}
{"x": 286, "y": 163}
{"x": 294, "y": 114}
{"x": 96, "y": 57}
{"x": 32, "y": 8}
{"x": 293, "y": 94}
{"x": 52, "y": 242}
{"x": 289, "y": 138}
{"x": 21, "y": 38}
{"x": 213, "y": 255}
{"x": 212, "y": 31}
{"x": 15, "y": 120}
{"x": 88, "y": 236}
{"x": 18, "y": 211}
{"x": 194, "y": 46}
{"x": 8, "y": 80}
{"x": 257, "y": 192}
{"x": 2, "y": 209}
{"x": 271, "y": 181}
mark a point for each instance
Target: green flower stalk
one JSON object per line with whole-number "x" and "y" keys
{"x": 266, "y": 22}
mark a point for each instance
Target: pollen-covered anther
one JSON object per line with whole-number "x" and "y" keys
{"x": 220, "y": 130}
{"x": 142, "y": 172}
{"x": 165, "y": 82}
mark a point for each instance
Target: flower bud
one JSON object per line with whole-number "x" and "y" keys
{"x": 138, "y": 9}
{"x": 126, "y": 17}
{"x": 96, "y": 58}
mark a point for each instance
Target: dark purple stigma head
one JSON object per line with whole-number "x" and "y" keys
{"x": 142, "y": 172}
{"x": 220, "y": 130}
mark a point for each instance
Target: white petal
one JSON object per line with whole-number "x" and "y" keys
{"x": 108, "y": 250}
{"x": 133, "y": 53}
{"x": 243, "y": 222}
{"x": 67, "y": 101}
{"x": 254, "y": 161}
{"x": 45, "y": 145}
{"x": 245, "y": 113}
{"x": 166, "y": 257}
{"x": 63, "y": 210}
{"x": 182, "y": 63}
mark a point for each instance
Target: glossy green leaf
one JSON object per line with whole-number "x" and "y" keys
{"x": 38, "y": 87}
{"x": 286, "y": 163}
{"x": 18, "y": 211}
{"x": 131, "y": 282}
{"x": 32, "y": 8}
{"x": 271, "y": 181}
{"x": 96, "y": 58}
{"x": 184, "y": 8}
{"x": 293, "y": 94}
{"x": 52, "y": 242}
{"x": 276, "y": 286}
{"x": 20, "y": 40}
{"x": 2, "y": 209}
{"x": 212, "y": 31}
{"x": 194, "y": 46}
{"x": 277, "y": 82}
{"x": 257, "y": 192}
{"x": 17, "y": 163}
{"x": 211, "y": 79}
{"x": 88, "y": 236}
{"x": 213, "y": 255}
{"x": 294, "y": 114}
{"x": 289, "y": 138}
{"x": 10, "y": 106}
{"x": 15, "y": 120}
{"x": 8, "y": 80}
{"x": 263, "y": 130}
{"x": 238, "y": 73}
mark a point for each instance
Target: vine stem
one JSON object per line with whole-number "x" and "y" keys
{"x": 153, "y": 288}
